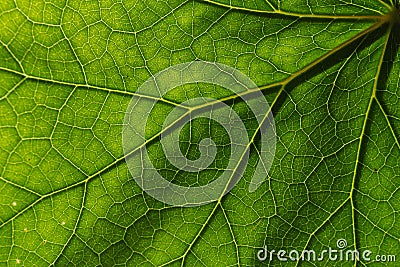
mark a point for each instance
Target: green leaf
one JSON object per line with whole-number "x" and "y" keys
{"x": 69, "y": 69}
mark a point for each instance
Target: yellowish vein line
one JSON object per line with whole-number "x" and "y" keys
{"x": 362, "y": 135}
{"x": 294, "y": 14}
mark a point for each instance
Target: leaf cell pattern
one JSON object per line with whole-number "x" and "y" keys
{"x": 68, "y": 69}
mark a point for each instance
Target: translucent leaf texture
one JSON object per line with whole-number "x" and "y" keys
{"x": 68, "y": 69}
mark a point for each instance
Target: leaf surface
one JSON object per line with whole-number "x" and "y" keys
{"x": 68, "y": 69}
